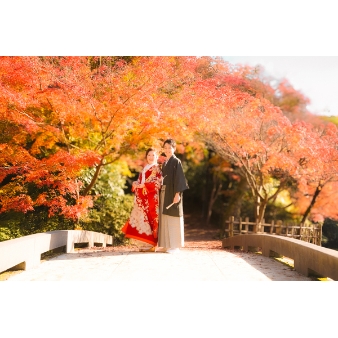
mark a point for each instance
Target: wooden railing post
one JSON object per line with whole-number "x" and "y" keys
{"x": 287, "y": 229}
{"x": 306, "y": 234}
{"x": 317, "y": 234}
{"x": 261, "y": 226}
{"x": 247, "y": 224}
{"x": 231, "y": 226}
{"x": 226, "y": 229}
{"x": 272, "y": 226}
{"x": 314, "y": 234}
{"x": 279, "y": 227}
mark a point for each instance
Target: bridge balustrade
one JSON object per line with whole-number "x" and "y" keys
{"x": 25, "y": 252}
{"x": 310, "y": 234}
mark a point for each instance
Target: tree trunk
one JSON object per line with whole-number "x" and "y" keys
{"x": 206, "y": 187}
{"x": 94, "y": 179}
{"x": 312, "y": 203}
{"x": 216, "y": 188}
{"x": 260, "y": 206}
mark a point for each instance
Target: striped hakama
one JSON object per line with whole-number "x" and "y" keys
{"x": 171, "y": 229}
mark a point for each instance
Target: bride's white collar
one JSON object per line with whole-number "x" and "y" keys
{"x": 145, "y": 169}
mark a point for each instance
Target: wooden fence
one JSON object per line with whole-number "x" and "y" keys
{"x": 311, "y": 234}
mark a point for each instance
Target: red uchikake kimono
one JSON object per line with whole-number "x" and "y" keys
{"x": 143, "y": 222}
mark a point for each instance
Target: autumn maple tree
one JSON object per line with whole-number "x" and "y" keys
{"x": 65, "y": 114}
{"x": 317, "y": 175}
{"x": 249, "y": 131}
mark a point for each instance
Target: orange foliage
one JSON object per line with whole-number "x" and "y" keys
{"x": 318, "y": 169}
{"x": 68, "y": 113}
{"x": 64, "y": 114}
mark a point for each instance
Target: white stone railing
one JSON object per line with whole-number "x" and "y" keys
{"x": 308, "y": 258}
{"x": 25, "y": 252}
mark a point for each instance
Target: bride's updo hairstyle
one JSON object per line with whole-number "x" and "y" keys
{"x": 149, "y": 150}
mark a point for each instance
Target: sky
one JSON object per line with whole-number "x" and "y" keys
{"x": 315, "y": 76}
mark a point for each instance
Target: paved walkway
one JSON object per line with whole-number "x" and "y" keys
{"x": 203, "y": 259}
{"x": 188, "y": 265}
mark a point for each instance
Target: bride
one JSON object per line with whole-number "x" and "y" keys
{"x": 142, "y": 225}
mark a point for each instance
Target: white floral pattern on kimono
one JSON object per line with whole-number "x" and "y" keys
{"x": 138, "y": 221}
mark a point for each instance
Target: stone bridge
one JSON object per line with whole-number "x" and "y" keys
{"x": 235, "y": 259}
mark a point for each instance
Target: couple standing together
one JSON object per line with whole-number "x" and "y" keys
{"x": 156, "y": 219}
